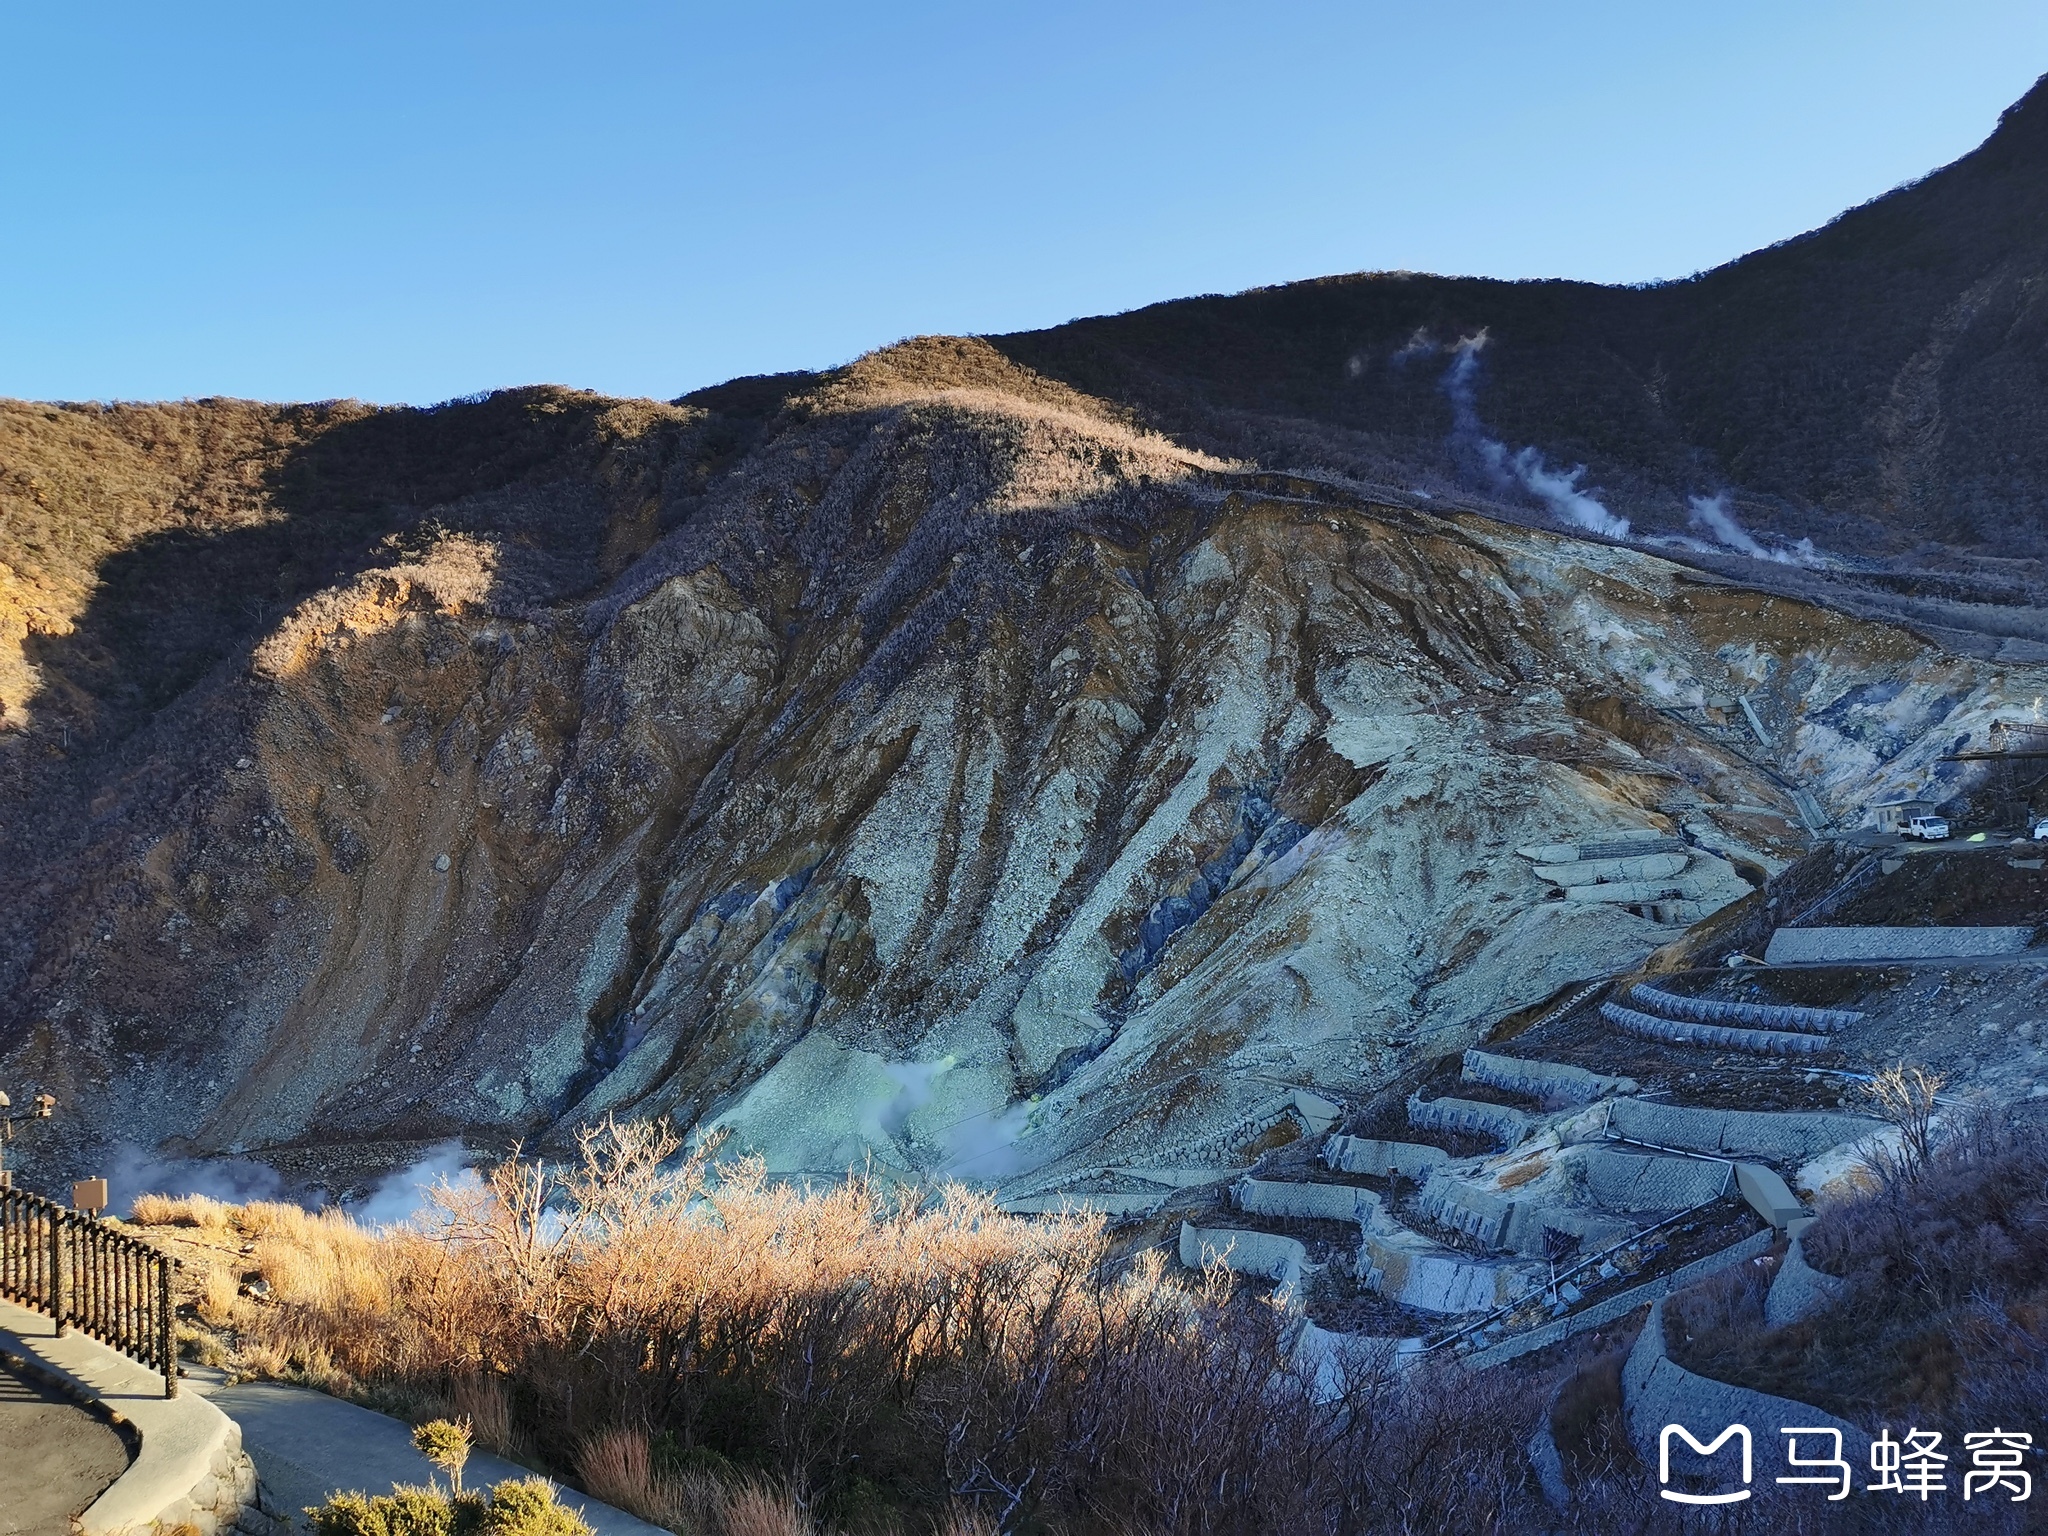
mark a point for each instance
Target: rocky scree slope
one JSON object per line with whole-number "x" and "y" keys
{"x": 921, "y": 763}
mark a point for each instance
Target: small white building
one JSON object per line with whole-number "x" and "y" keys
{"x": 1892, "y": 815}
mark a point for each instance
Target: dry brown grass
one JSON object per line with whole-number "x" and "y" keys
{"x": 756, "y": 1510}
{"x": 218, "y": 1292}
{"x": 484, "y": 1401}
{"x": 694, "y": 1342}
{"x": 182, "y": 1211}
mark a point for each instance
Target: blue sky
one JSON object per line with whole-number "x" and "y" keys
{"x": 413, "y": 201}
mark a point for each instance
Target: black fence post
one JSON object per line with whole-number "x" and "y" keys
{"x": 57, "y": 1270}
{"x": 164, "y": 1330}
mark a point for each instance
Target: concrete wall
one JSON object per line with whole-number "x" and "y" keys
{"x": 1510, "y": 1127}
{"x": 1338, "y": 1359}
{"x": 1322, "y": 1202}
{"x": 1639, "y": 1181}
{"x": 1382, "y": 1159}
{"x": 1798, "y": 1290}
{"x": 225, "y": 1498}
{"x": 1768, "y": 1195}
{"x": 1114, "y": 1203}
{"x": 1791, "y": 1136}
{"x": 1407, "y": 1267}
{"x": 1266, "y": 1255}
{"x": 1758, "y": 1042}
{"x": 1552, "y": 1081}
{"x": 1796, "y": 946}
{"x": 1500, "y": 1223}
{"x": 1710, "y": 1010}
{"x": 1656, "y": 1391}
{"x": 1480, "y": 1214}
{"x": 1626, "y": 892}
{"x": 1530, "y": 1220}
{"x": 190, "y": 1473}
{"x": 1544, "y": 1459}
{"x": 1653, "y": 866}
{"x": 1620, "y": 1304}
{"x": 1604, "y": 845}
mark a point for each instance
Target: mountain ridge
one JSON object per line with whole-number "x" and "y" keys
{"x": 1004, "y": 756}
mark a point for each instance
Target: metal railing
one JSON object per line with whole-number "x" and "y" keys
{"x": 84, "y": 1273}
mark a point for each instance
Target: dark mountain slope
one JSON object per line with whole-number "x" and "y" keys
{"x": 1883, "y": 374}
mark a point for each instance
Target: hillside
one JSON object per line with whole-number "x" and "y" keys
{"x": 1875, "y": 385}
{"x": 1003, "y": 758}
{"x": 933, "y": 767}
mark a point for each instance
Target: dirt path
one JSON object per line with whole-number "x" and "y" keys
{"x": 58, "y": 1458}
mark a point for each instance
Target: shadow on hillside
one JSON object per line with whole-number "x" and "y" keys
{"x": 535, "y": 471}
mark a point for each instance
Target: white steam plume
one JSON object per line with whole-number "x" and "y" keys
{"x": 1711, "y": 515}
{"x": 1557, "y": 489}
{"x": 399, "y": 1197}
{"x": 404, "y": 1198}
{"x": 235, "y": 1180}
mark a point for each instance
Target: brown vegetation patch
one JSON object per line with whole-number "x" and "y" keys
{"x": 1946, "y": 1315}
{"x": 672, "y": 1338}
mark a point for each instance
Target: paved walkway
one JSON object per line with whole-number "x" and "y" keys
{"x": 58, "y": 1458}
{"x": 307, "y": 1445}
{"x": 180, "y": 1438}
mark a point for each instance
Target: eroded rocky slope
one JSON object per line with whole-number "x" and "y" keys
{"x": 920, "y": 763}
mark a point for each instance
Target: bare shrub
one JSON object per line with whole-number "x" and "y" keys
{"x": 648, "y": 1319}
{"x": 1906, "y": 1096}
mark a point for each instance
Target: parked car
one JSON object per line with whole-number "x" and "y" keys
{"x": 2040, "y": 832}
{"x": 1930, "y": 829}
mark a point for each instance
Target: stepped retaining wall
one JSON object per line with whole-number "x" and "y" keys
{"x": 1656, "y": 1391}
{"x": 1264, "y": 1255}
{"x": 1758, "y": 1042}
{"x": 1382, "y": 1159}
{"x": 1499, "y": 1122}
{"x": 1640, "y": 1181}
{"x": 1798, "y": 1290}
{"x": 1317, "y": 1202}
{"x": 1713, "y": 1010}
{"x": 1552, "y": 1081}
{"x": 1787, "y": 1136}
